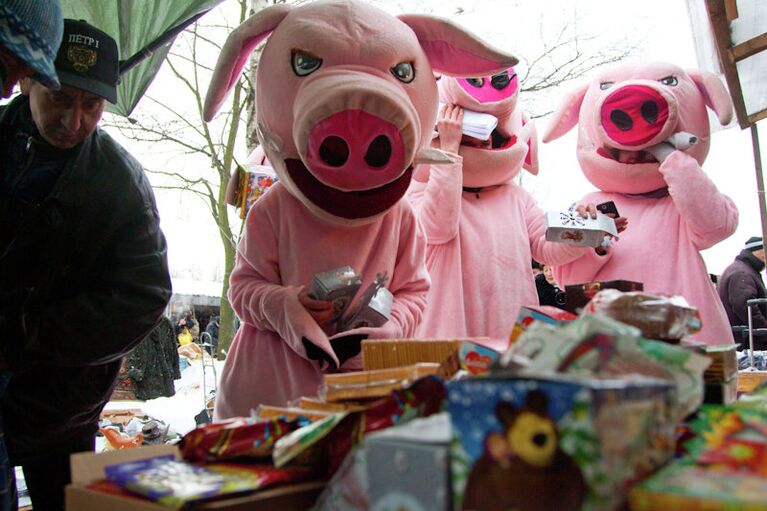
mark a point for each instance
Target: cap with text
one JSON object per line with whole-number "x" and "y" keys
{"x": 88, "y": 59}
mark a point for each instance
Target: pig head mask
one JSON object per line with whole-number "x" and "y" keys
{"x": 632, "y": 107}
{"x": 513, "y": 144}
{"x": 346, "y": 98}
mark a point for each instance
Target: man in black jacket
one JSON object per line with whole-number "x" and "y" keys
{"x": 83, "y": 268}
{"x": 740, "y": 282}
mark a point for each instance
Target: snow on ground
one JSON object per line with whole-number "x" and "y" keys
{"x": 179, "y": 410}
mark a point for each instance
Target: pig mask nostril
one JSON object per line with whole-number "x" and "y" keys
{"x": 650, "y": 111}
{"x": 622, "y": 120}
{"x": 334, "y": 151}
{"x": 379, "y": 152}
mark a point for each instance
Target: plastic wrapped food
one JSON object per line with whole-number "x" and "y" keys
{"x": 232, "y": 439}
{"x": 668, "y": 318}
{"x": 176, "y": 484}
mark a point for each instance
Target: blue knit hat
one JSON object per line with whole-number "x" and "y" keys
{"x": 32, "y": 30}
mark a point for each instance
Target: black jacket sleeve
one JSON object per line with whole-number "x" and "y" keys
{"x": 104, "y": 322}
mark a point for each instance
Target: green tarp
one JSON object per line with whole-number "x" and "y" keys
{"x": 135, "y": 24}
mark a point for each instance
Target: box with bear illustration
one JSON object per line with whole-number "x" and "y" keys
{"x": 530, "y": 442}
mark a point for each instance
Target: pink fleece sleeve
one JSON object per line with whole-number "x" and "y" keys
{"x": 409, "y": 284}
{"x": 439, "y": 208}
{"x": 258, "y": 296}
{"x": 547, "y": 252}
{"x": 710, "y": 216}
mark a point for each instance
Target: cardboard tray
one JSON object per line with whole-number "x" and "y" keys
{"x": 88, "y": 467}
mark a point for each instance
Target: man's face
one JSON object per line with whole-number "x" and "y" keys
{"x": 64, "y": 117}
{"x": 13, "y": 71}
{"x": 759, "y": 254}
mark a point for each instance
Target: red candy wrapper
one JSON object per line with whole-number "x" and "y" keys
{"x": 234, "y": 439}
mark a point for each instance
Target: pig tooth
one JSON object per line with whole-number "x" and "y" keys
{"x": 429, "y": 155}
{"x": 271, "y": 140}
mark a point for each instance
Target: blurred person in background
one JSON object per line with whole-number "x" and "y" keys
{"x": 741, "y": 282}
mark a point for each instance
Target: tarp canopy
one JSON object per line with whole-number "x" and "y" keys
{"x": 736, "y": 31}
{"x": 136, "y": 25}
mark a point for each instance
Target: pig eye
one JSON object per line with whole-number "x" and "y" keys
{"x": 501, "y": 80}
{"x": 670, "y": 80}
{"x": 305, "y": 64}
{"x": 606, "y": 85}
{"x": 476, "y": 82}
{"x": 404, "y": 72}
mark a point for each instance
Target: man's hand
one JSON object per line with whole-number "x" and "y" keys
{"x": 449, "y": 126}
{"x": 589, "y": 210}
{"x": 320, "y": 310}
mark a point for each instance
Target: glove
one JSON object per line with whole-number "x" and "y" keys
{"x": 347, "y": 346}
{"x": 313, "y": 352}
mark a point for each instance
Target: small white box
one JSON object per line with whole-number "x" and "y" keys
{"x": 571, "y": 228}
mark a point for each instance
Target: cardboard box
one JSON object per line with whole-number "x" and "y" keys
{"x": 749, "y": 380}
{"x": 408, "y": 467}
{"x": 724, "y": 363}
{"x": 571, "y": 228}
{"x": 88, "y": 468}
{"x": 555, "y": 442}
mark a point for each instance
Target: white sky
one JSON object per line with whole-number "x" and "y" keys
{"x": 660, "y": 30}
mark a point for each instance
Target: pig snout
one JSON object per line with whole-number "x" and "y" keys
{"x": 355, "y": 133}
{"x": 634, "y": 115}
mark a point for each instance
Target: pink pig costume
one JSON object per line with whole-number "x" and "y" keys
{"x": 674, "y": 209}
{"x": 346, "y": 103}
{"x": 481, "y": 228}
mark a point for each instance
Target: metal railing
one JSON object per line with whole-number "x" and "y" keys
{"x": 751, "y": 330}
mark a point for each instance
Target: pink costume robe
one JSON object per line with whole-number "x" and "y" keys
{"x": 480, "y": 244}
{"x": 622, "y": 117}
{"x": 666, "y": 258}
{"x": 478, "y": 254}
{"x": 266, "y": 363}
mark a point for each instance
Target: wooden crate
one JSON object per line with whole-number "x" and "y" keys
{"x": 749, "y": 380}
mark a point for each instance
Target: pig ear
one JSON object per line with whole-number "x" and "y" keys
{"x": 531, "y": 160}
{"x": 566, "y": 114}
{"x": 714, "y": 94}
{"x": 236, "y": 52}
{"x": 454, "y": 51}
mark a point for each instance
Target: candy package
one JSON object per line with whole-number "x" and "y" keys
{"x": 176, "y": 483}
{"x": 668, "y": 318}
{"x": 238, "y": 438}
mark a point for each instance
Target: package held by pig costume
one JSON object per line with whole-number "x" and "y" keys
{"x": 571, "y": 228}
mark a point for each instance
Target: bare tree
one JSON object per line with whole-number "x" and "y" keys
{"x": 181, "y": 126}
